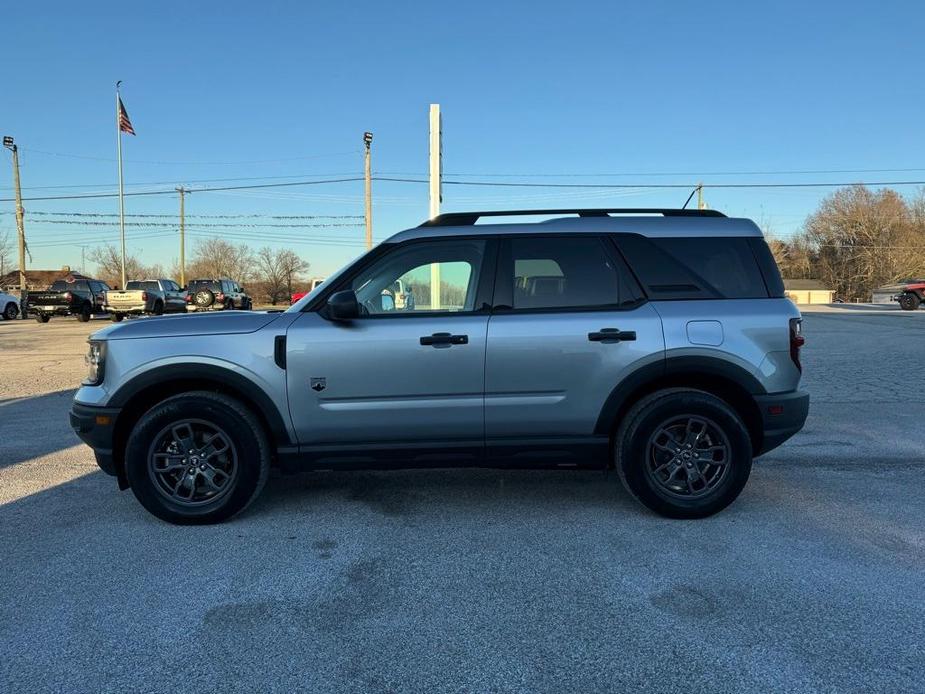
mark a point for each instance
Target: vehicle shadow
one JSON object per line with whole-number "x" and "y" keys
{"x": 406, "y": 493}
{"x": 34, "y": 426}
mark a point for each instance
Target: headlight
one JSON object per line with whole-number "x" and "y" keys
{"x": 96, "y": 359}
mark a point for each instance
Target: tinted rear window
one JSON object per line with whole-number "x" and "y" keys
{"x": 695, "y": 268}
{"x": 147, "y": 286}
{"x": 215, "y": 286}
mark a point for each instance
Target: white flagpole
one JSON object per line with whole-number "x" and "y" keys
{"x": 121, "y": 189}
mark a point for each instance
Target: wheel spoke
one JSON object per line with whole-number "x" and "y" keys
{"x": 169, "y": 462}
{"x": 184, "y": 437}
{"x": 215, "y": 445}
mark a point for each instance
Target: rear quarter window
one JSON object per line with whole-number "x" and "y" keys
{"x": 695, "y": 267}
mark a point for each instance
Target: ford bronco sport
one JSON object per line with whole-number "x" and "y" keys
{"x": 655, "y": 342}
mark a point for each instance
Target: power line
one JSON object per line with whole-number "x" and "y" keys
{"x": 191, "y": 163}
{"x": 194, "y": 224}
{"x": 496, "y": 184}
{"x": 161, "y": 215}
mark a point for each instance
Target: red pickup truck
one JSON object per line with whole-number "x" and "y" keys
{"x": 912, "y": 295}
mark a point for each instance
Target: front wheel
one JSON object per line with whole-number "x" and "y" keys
{"x": 197, "y": 458}
{"x": 11, "y": 311}
{"x": 116, "y": 317}
{"x": 42, "y": 317}
{"x": 909, "y": 302}
{"x": 84, "y": 315}
{"x": 683, "y": 453}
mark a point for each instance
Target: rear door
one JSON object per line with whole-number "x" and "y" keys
{"x": 569, "y": 324}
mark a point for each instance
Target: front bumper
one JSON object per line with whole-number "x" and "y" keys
{"x": 782, "y": 416}
{"x": 96, "y": 427}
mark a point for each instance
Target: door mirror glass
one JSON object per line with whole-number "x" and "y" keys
{"x": 387, "y": 302}
{"x": 343, "y": 306}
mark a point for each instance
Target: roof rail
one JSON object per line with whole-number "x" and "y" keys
{"x": 453, "y": 219}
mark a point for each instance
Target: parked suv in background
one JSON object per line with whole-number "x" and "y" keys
{"x": 216, "y": 295}
{"x": 656, "y": 342}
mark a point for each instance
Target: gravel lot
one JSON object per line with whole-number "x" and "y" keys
{"x": 478, "y": 580}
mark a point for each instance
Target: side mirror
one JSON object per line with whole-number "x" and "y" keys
{"x": 343, "y": 306}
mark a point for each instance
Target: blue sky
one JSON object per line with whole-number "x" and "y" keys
{"x": 556, "y": 92}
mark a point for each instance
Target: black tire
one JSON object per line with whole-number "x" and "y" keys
{"x": 42, "y": 317}
{"x": 116, "y": 317}
{"x": 229, "y": 305}
{"x": 10, "y": 311}
{"x": 640, "y": 456}
{"x": 84, "y": 315}
{"x": 909, "y": 302}
{"x": 204, "y": 298}
{"x": 158, "y": 308}
{"x": 247, "y": 442}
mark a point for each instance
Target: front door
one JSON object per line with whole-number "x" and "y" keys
{"x": 409, "y": 372}
{"x": 569, "y": 325}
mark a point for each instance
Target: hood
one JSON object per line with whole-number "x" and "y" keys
{"x": 185, "y": 325}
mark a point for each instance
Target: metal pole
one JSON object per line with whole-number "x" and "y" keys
{"x": 121, "y": 187}
{"x": 436, "y": 179}
{"x": 368, "y": 140}
{"x": 20, "y": 233}
{"x": 181, "y": 190}
{"x": 700, "y": 205}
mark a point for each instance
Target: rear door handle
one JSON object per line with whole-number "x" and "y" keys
{"x": 612, "y": 335}
{"x": 444, "y": 339}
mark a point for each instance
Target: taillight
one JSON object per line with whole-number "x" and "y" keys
{"x": 68, "y": 296}
{"x": 144, "y": 296}
{"x": 796, "y": 341}
{"x": 220, "y": 296}
{"x": 189, "y": 298}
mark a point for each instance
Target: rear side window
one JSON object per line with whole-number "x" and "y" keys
{"x": 552, "y": 272}
{"x": 695, "y": 267}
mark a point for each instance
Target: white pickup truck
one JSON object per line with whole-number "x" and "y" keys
{"x": 145, "y": 297}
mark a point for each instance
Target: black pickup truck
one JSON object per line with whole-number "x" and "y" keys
{"x": 75, "y": 297}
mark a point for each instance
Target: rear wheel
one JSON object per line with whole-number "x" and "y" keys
{"x": 84, "y": 314}
{"x": 683, "y": 453}
{"x": 909, "y": 302}
{"x": 158, "y": 308}
{"x": 11, "y": 311}
{"x": 116, "y": 317}
{"x": 42, "y": 317}
{"x": 229, "y": 305}
{"x": 197, "y": 458}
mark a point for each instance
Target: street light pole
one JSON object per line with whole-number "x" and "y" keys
{"x": 20, "y": 224}
{"x": 368, "y": 140}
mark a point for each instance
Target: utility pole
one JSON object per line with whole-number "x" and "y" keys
{"x": 20, "y": 225}
{"x": 182, "y": 191}
{"x": 368, "y": 140}
{"x": 700, "y": 204}
{"x": 436, "y": 181}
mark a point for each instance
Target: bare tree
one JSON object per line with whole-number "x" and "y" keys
{"x": 862, "y": 239}
{"x": 6, "y": 253}
{"x": 277, "y": 270}
{"x": 215, "y": 258}
{"x": 108, "y": 262}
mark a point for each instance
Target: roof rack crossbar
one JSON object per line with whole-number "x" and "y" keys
{"x": 452, "y": 219}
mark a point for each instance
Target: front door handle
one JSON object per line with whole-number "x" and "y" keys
{"x": 612, "y": 335}
{"x": 438, "y": 339}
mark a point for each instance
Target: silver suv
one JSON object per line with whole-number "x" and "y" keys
{"x": 655, "y": 342}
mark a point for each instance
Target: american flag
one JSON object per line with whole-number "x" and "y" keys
{"x": 125, "y": 125}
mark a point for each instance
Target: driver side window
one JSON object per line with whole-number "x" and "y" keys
{"x": 424, "y": 277}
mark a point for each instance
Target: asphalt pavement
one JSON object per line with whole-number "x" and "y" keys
{"x": 461, "y": 580}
